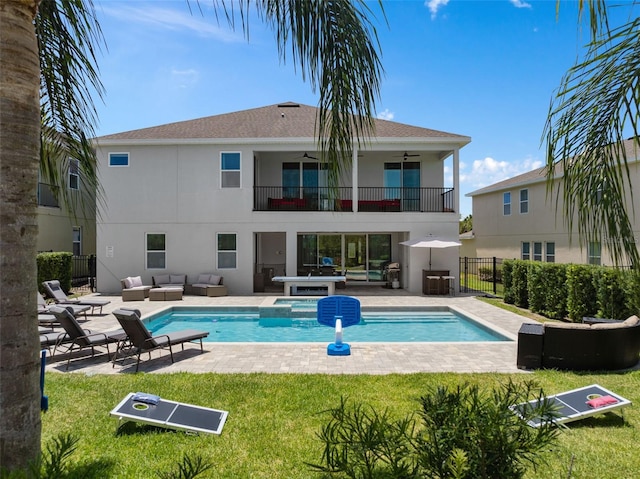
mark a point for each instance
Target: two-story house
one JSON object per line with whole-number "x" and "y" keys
{"x": 59, "y": 227}
{"x": 517, "y": 218}
{"x": 246, "y": 193}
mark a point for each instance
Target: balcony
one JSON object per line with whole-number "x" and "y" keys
{"x": 370, "y": 199}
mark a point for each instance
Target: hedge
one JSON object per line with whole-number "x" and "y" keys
{"x": 57, "y": 265}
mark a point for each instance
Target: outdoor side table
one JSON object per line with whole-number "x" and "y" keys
{"x": 530, "y": 341}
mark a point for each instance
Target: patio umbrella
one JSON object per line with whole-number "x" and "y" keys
{"x": 430, "y": 242}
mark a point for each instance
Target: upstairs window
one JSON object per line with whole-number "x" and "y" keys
{"x": 230, "y": 169}
{"x": 524, "y": 201}
{"x": 118, "y": 159}
{"x": 506, "y": 203}
{"x": 74, "y": 174}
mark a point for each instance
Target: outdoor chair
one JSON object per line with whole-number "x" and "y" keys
{"x": 55, "y": 292}
{"x": 82, "y": 338}
{"x": 43, "y": 309}
{"x": 140, "y": 340}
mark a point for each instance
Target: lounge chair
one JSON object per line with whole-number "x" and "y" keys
{"x": 44, "y": 316}
{"x": 55, "y": 292}
{"x": 140, "y": 340}
{"x": 82, "y": 338}
{"x": 52, "y": 338}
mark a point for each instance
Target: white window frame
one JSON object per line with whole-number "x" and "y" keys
{"x": 525, "y": 255}
{"x": 550, "y": 257}
{"x": 226, "y": 251}
{"x": 228, "y": 172}
{"x": 537, "y": 251}
{"x": 74, "y": 173}
{"x": 524, "y": 203}
{"x": 592, "y": 257}
{"x": 77, "y": 241}
{"x": 147, "y": 251}
{"x": 506, "y": 203}
{"x": 119, "y": 153}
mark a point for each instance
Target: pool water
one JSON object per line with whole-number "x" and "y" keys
{"x": 380, "y": 326}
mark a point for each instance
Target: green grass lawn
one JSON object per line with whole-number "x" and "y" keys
{"x": 273, "y": 421}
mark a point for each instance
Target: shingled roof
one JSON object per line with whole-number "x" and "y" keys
{"x": 539, "y": 175}
{"x": 284, "y": 120}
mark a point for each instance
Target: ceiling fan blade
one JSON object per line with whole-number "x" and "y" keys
{"x": 306, "y": 155}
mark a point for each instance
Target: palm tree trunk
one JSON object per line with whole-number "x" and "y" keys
{"x": 19, "y": 145}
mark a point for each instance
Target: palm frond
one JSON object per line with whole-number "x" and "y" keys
{"x": 69, "y": 37}
{"x": 596, "y": 106}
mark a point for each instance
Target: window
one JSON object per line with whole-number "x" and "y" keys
{"x": 526, "y": 251}
{"x": 506, "y": 203}
{"x": 74, "y": 177}
{"x": 77, "y": 241}
{"x": 230, "y": 170}
{"x": 550, "y": 253}
{"x": 156, "y": 251}
{"x": 227, "y": 253}
{"x": 524, "y": 201}
{"x": 118, "y": 159}
{"x": 594, "y": 253}
{"x": 537, "y": 251}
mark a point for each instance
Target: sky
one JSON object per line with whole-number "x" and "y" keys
{"x": 483, "y": 69}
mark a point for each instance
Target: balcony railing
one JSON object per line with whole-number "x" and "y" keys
{"x": 370, "y": 199}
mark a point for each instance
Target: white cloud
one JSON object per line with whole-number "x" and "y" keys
{"x": 488, "y": 171}
{"x": 386, "y": 115}
{"x": 434, "y": 6}
{"x": 520, "y": 4}
{"x": 184, "y": 78}
{"x": 174, "y": 20}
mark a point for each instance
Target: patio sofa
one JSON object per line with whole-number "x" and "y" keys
{"x": 207, "y": 284}
{"x": 579, "y": 346}
{"x": 169, "y": 280}
{"x": 133, "y": 289}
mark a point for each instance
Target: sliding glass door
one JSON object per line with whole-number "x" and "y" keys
{"x": 360, "y": 257}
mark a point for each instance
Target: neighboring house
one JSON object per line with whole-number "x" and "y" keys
{"x": 60, "y": 229}
{"x": 516, "y": 218}
{"x": 245, "y": 193}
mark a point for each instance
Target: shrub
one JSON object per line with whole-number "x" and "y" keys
{"x": 55, "y": 266}
{"x": 610, "y": 293}
{"x": 519, "y": 283}
{"x": 507, "y": 282}
{"x": 581, "y": 291}
{"x": 485, "y": 273}
{"x": 462, "y": 434}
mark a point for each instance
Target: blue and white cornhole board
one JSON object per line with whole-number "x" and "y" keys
{"x": 338, "y": 312}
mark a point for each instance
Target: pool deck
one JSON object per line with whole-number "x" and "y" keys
{"x": 365, "y": 358}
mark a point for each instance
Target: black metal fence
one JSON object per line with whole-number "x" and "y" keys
{"x": 481, "y": 275}
{"x": 83, "y": 272}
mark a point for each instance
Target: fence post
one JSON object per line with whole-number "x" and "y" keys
{"x": 466, "y": 274}
{"x": 92, "y": 272}
{"x": 495, "y": 276}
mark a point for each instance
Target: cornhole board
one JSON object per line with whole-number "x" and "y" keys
{"x": 572, "y": 405}
{"x": 171, "y": 414}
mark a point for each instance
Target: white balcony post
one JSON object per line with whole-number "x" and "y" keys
{"x": 456, "y": 180}
{"x": 354, "y": 180}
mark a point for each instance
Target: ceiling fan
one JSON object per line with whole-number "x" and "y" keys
{"x": 307, "y": 156}
{"x": 406, "y": 155}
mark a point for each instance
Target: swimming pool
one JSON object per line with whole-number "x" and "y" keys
{"x": 282, "y": 323}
